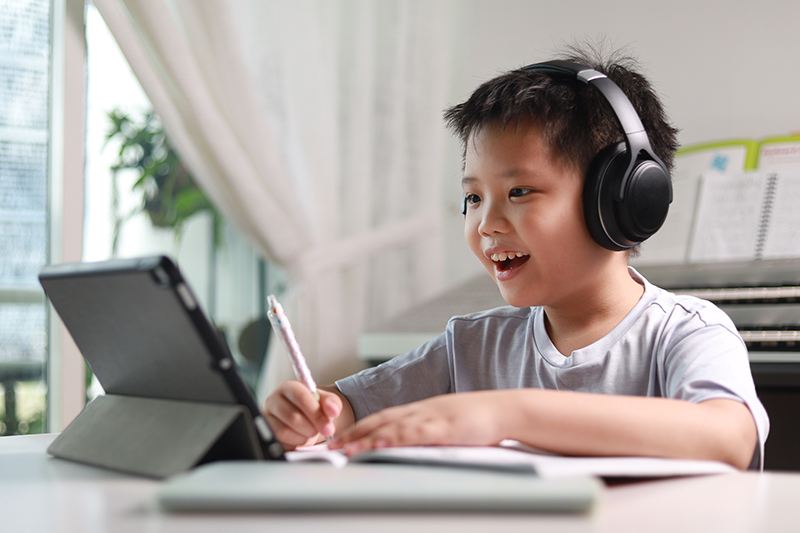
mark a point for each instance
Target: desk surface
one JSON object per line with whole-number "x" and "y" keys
{"x": 42, "y": 494}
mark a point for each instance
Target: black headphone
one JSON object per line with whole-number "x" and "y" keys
{"x": 627, "y": 190}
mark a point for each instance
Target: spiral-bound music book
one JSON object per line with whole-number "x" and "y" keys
{"x": 753, "y": 215}
{"x": 731, "y": 226}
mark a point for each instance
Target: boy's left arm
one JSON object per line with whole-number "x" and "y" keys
{"x": 572, "y": 423}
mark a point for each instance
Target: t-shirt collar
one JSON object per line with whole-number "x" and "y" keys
{"x": 551, "y": 354}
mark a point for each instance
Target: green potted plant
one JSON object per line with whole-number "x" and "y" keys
{"x": 169, "y": 194}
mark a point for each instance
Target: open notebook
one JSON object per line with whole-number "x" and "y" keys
{"x": 511, "y": 455}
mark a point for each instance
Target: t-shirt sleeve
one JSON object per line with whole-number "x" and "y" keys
{"x": 416, "y": 375}
{"x": 711, "y": 362}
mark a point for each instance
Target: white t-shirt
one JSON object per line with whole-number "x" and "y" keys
{"x": 667, "y": 346}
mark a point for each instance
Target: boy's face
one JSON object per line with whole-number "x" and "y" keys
{"x": 526, "y": 208}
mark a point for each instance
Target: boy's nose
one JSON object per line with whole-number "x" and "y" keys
{"x": 493, "y": 221}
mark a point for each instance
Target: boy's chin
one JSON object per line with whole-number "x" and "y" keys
{"x": 512, "y": 297}
{"x": 516, "y": 299}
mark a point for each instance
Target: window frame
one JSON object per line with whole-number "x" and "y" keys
{"x": 65, "y": 367}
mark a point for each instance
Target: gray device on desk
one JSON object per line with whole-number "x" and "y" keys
{"x": 282, "y": 486}
{"x": 173, "y": 395}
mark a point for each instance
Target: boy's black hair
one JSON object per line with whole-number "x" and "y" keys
{"x": 574, "y": 118}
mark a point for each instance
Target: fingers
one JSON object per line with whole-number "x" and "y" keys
{"x": 330, "y": 407}
{"x": 392, "y": 427}
{"x": 301, "y": 399}
{"x": 365, "y": 427}
{"x": 297, "y": 416}
{"x": 331, "y": 404}
{"x": 289, "y": 438}
{"x": 291, "y": 416}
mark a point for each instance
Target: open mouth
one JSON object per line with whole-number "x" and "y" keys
{"x": 504, "y": 262}
{"x": 508, "y": 264}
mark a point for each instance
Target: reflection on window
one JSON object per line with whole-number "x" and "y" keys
{"x": 24, "y": 84}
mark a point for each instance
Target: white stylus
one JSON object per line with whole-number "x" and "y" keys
{"x": 282, "y": 327}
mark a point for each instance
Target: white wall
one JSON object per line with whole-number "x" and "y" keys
{"x": 723, "y": 69}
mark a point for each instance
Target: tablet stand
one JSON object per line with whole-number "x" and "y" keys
{"x": 156, "y": 437}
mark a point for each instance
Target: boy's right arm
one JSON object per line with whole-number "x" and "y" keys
{"x": 298, "y": 419}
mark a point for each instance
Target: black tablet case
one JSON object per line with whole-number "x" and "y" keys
{"x": 173, "y": 398}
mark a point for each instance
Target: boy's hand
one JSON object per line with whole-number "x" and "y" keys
{"x": 297, "y": 418}
{"x": 468, "y": 419}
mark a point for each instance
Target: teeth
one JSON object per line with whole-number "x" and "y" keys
{"x": 507, "y": 255}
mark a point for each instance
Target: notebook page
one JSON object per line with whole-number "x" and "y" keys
{"x": 782, "y": 235}
{"x": 550, "y": 465}
{"x": 728, "y": 217}
{"x": 487, "y": 457}
{"x": 518, "y": 457}
{"x": 318, "y": 453}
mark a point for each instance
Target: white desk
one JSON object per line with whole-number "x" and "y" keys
{"x": 42, "y": 494}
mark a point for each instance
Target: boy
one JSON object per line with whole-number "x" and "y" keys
{"x": 589, "y": 358}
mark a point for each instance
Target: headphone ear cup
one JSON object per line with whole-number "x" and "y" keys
{"x": 648, "y": 193}
{"x": 601, "y": 183}
{"x": 620, "y": 225}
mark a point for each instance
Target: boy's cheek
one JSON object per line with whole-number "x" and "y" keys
{"x": 469, "y": 232}
{"x": 473, "y": 240}
{"x": 478, "y": 253}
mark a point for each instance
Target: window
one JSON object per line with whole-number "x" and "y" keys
{"x": 24, "y": 148}
{"x": 38, "y": 53}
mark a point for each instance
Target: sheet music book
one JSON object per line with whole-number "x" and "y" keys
{"x": 781, "y": 232}
{"x": 719, "y": 214}
{"x": 511, "y": 455}
{"x": 747, "y": 216}
{"x": 670, "y": 245}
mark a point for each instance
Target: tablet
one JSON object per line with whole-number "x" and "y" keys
{"x": 142, "y": 331}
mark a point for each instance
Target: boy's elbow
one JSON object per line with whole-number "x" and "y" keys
{"x": 740, "y": 455}
{"x": 736, "y": 433}
{"x": 746, "y": 443}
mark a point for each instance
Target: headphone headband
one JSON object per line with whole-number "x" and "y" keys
{"x": 624, "y": 111}
{"x": 636, "y": 139}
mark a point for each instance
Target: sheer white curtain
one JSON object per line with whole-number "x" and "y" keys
{"x": 316, "y": 128}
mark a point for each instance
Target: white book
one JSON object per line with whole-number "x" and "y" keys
{"x": 512, "y": 455}
{"x": 729, "y": 217}
{"x": 742, "y": 217}
{"x": 781, "y": 236}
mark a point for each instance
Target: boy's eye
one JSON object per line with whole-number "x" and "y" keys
{"x": 519, "y": 191}
{"x": 469, "y": 199}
